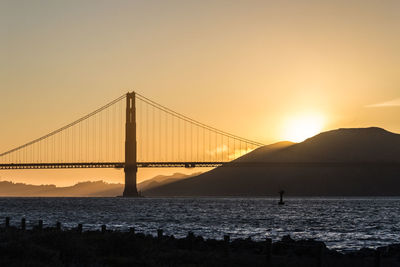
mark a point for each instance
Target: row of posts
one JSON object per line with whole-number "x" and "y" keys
{"x": 268, "y": 243}
{"x": 131, "y": 230}
{"x": 40, "y": 225}
{"x": 79, "y": 228}
{"x": 103, "y": 228}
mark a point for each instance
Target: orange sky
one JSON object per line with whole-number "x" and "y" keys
{"x": 247, "y": 67}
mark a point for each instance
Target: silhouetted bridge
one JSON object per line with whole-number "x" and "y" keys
{"x": 130, "y": 132}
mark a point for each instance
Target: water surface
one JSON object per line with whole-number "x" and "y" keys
{"x": 342, "y": 223}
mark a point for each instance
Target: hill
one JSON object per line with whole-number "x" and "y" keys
{"x": 83, "y": 189}
{"x": 343, "y": 162}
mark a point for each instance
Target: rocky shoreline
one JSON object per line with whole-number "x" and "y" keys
{"x": 54, "y": 246}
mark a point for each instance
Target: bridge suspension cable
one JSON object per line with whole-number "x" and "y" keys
{"x": 79, "y": 141}
{"x": 176, "y": 137}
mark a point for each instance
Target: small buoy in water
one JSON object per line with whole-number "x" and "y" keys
{"x": 281, "y": 195}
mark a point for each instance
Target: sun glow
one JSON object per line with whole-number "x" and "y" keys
{"x": 299, "y": 128}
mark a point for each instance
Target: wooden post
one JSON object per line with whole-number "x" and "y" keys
{"x": 159, "y": 233}
{"x": 190, "y": 235}
{"x": 377, "y": 261}
{"x": 227, "y": 238}
{"x": 40, "y": 225}
{"x": 320, "y": 255}
{"x": 23, "y": 224}
{"x": 58, "y": 226}
{"x": 268, "y": 250}
{"x": 7, "y": 222}
{"x": 80, "y": 228}
{"x": 226, "y": 244}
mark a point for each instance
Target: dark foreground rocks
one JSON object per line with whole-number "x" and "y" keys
{"x": 55, "y": 247}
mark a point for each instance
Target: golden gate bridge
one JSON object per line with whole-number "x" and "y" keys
{"x": 129, "y": 132}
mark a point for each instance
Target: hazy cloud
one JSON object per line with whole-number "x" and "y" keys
{"x": 391, "y": 103}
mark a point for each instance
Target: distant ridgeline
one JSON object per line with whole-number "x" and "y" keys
{"x": 343, "y": 162}
{"x": 83, "y": 189}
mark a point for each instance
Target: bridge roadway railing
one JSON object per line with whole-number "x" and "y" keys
{"x": 115, "y": 165}
{"x": 121, "y": 165}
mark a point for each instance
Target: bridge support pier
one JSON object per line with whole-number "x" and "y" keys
{"x": 130, "y": 148}
{"x": 130, "y": 182}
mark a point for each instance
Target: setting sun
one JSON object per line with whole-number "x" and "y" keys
{"x": 299, "y": 128}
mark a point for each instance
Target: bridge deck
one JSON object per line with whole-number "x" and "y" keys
{"x": 121, "y": 165}
{"x": 115, "y": 165}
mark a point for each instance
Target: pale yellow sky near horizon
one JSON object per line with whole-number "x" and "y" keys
{"x": 246, "y": 67}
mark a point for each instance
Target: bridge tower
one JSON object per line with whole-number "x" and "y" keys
{"x": 130, "y": 147}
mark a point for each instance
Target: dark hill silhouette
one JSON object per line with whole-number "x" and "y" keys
{"x": 160, "y": 180}
{"x": 83, "y": 189}
{"x": 343, "y": 162}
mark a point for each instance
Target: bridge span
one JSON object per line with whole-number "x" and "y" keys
{"x": 128, "y": 133}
